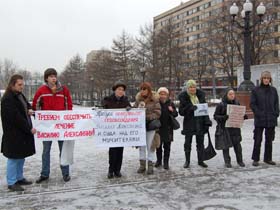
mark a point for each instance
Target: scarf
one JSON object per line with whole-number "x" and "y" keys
{"x": 193, "y": 98}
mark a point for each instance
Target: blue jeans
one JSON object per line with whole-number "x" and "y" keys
{"x": 46, "y": 159}
{"x": 14, "y": 170}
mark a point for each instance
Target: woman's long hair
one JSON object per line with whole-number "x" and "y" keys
{"x": 13, "y": 80}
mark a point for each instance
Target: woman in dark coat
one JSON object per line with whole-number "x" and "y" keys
{"x": 265, "y": 105}
{"x": 18, "y": 139}
{"x": 116, "y": 101}
{"x": 166, "y": 131}
{"x": 232, "y": 136}
{"x": 192, "y": 125}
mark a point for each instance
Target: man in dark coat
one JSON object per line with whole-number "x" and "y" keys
{"x": 265, "y": 105}
{"x": 117, "y": 100}
{"x": 231, "y": 136}
{"x": 192, "y": 125}
{"x": 18, "y": 139}
{"x": 166, "y": 130}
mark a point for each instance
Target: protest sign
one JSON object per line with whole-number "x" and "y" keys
{"x": 202, "y": 110}
{"x": 64, "y": 125}
{"x": 236, "y": 116}
{"x": 119, "y": 128}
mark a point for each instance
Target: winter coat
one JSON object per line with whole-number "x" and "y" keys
{"x": 220, "y": 116}
{"x": 193, "y": 125}
{"x": 17, "y": 139}
{"x": 153, "y": 109}
{"x": 112, "y": 102}
{"x": 45, "y": 99}
{"x": 265, "y": 105}
{"x": 166, "y": 130}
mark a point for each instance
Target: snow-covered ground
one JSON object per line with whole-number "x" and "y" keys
{"x": 216, "y": 187}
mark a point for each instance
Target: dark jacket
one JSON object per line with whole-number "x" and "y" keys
{"x": 112, "y": 102}
{"x": 265, "y": 105}
{"x": 166, "y": 130}
{"x": 193, "y": 125}
{"x": 17, "y": 140}
{"x": 220, "y": 116}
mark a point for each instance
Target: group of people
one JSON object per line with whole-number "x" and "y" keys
{"x": 160, "y": 111}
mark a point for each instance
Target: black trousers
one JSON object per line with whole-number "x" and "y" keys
{"x": 238, "y": 152}
{"x": 115, "y": 159}
{"x": 199, "y": 146}
{"x": 166, "y": 152}
{"x": 269, "y": 137}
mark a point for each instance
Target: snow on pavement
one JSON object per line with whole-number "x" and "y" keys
{"x": 195, "y": 188}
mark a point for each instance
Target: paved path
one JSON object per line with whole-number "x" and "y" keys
{"x": 195, "y": 188}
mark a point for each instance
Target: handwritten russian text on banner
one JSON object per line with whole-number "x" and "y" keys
{"x": 64, "y": 125}
{"x": 120, "y": 128}
{"x": 235, "y": 116}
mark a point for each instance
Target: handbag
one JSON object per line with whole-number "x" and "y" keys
{"x": 174, "y": 123}
{"x": 153, "y": 125}
{"x": 222, "y": 138}
{"x": 209, "y": 151}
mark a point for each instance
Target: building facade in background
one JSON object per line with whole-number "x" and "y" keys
{"x": 212, "y": 46}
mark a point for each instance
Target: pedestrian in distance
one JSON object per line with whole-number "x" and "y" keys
{"x": 117, "y": 100}
{"x": 265, "y": 105}
{"x": 18, "y": 132}
{"x": 52, "y": 96}
{"x": 166, "y": 130}
{"x": 228, "y": 137}
{"x": 148, "y": 99}
{"x": 193, "y": 126}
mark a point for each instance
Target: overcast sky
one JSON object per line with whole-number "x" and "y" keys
{"x": 37, "y": 34}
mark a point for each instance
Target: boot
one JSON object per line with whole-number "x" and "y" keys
{"x": 142, "y": 167}
{"x": 228, "y": 165}
{"x": 165, "y": 164}
{"x": 202, "y": 164}
{"x": 158, "y": 164}
{"x": 187, "y": 163}
{"x": 150, "y": 168}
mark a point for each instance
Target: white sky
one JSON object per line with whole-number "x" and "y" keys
{"x": 37, "y": 34}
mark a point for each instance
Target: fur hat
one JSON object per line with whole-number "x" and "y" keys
{"x": 266, "y": 74}
{"x": 49, "y": 72}
{"x": 119, "y": 84}
{"x": 163, "y": 89}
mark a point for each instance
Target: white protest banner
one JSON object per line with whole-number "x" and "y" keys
{"x": 202, "y": 110}
{"x": 120, "y": 128}
{"x": 235, "y": 116}
{"x": 64, "y": 125}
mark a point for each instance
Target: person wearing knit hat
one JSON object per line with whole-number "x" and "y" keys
{"x": 166, "y": 130}
{"x": 192, "y": 125}
{"x": 265, "y": 106}
{"x": 117, "y": 100}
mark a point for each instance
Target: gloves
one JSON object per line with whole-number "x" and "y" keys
{"x": 225, "y": 117}
{"x": 193, "y": 108}
{"x": 245, "y": 117}
{"x": 128, "y": 108}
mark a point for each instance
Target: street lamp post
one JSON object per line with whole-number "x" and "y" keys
{"x": 91, "y": 95}
{"x": 143, "y": 72}
{"x": 246, "y": 86}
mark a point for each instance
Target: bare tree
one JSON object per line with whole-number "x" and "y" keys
{"x": 7, "y": 69}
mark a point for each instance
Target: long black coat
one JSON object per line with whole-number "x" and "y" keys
{"x": 112, "y": 102}
{"x": 166, "y": 130}
{"x": 17, "y": 140}
{"x": 193, "y": 125}
{"x": 220, "y": 116}
{"x": 265, "y": 105}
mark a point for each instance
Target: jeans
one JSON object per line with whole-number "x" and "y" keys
{"x": 46, "y": 159}
{"x": 142, "y": 150}
{"x": 14, "y": 170}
